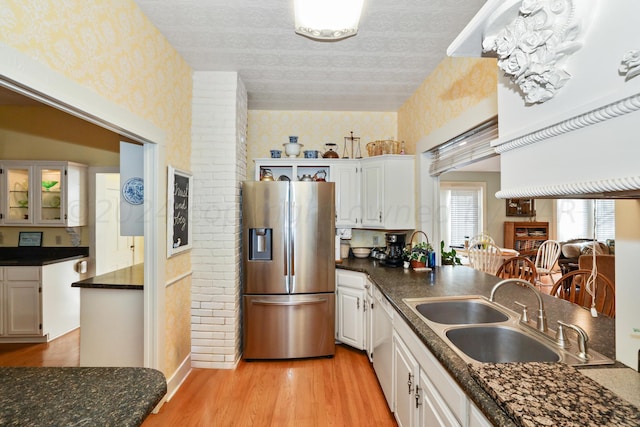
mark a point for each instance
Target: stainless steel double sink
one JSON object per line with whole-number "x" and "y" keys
{"x": 481, "y": 331}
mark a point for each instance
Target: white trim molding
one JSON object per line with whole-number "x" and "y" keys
{"x": 595, "y": 116}
{"x": 591, "y": 189}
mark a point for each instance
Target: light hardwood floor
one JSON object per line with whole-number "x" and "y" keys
{"x": 341, "y": 391}
{"x": 63, "y": 351}
{"x": 338, "y": 391}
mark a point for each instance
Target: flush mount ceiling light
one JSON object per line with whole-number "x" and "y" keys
{"x": 327, "y": 19}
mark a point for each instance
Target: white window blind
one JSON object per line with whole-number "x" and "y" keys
{"x": 462, "y": 211}
{"x": 575, "y": 219}
{"x": 605, "y": 219}
{"x": 469, "y": 147}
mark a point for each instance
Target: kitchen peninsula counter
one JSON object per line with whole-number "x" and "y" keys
{"x": 398, "y": 283}
{"x": 112, "y": 318}
{"x": 39, "y": 256}
{"x": 124, "y": 278}
{"x": 79, "y": 396}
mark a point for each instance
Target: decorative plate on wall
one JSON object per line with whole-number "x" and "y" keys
{"x": 133, "y": 191}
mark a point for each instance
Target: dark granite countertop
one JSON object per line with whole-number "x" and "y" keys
{"x": 125, "y": 278}
{"x": 543, "y": 394}
{"x": 26, "y": 256}
{"x": 78, "y": 396}
{"x": 398, "y": 283}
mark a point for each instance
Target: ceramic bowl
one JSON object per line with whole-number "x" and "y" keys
{"x": 292, "y": 149}
{"x": 361, "y": 252}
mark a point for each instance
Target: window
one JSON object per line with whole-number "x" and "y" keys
{"x": 576, "y": 219}
{"x": 461, "y": 211}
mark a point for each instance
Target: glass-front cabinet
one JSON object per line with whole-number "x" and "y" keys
{"x": 50, "y": 206}
{"x": 17, "y": 198}
{"x": 43, "y": 193}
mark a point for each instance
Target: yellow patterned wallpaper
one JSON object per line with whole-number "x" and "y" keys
{"x": 268, "y": 130}
{"x": 454, "y": 86}
{"x": 110, "y": 47}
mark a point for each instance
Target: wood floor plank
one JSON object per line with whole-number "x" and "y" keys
{"x": 63, "y": 351}
{"x": 318, "y": 392}
{"x": 338, "y": 391}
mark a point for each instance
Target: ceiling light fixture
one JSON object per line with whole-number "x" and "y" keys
{"x": 327, "y": 20}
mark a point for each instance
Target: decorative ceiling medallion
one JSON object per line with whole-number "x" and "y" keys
{"x": 630, "y": 64}
{"x": 530, "y": 47}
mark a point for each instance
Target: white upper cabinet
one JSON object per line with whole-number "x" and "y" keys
{"x": 346, "y": 175}
{"x": 376, "y": 192}
{"x": 388, "y": 195}
{"x": 43, "y": 193}
{"x": 17, "y": 198}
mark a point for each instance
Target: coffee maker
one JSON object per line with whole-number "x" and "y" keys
{"x": 395, "y": 245}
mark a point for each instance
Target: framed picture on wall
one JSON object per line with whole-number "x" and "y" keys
{"x": 179, "y": 211}
{"x": 521, "y": 207}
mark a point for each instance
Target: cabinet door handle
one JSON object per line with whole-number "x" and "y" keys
{"x": 358, "y": 304}
{"x": 410, "y": 382}
{"x": 380, "y": 216}
{"x": 417, "y": 396}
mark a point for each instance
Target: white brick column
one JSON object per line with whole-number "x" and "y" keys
{"x": 218, "y": 162}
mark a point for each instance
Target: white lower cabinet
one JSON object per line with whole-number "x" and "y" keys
{"x": 350, "y": 317}
{"x": 406, "y": 373}
{"x": 38, "y": 304}
{"x": 351, "y": 308}
{"x": 354, "y": 310}
{"x": 20, "y": 309}
{"x": 418, "y": 389}
{"x": 425, "y": 393}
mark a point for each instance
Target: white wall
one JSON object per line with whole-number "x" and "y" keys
{"x": 627, "y": 289}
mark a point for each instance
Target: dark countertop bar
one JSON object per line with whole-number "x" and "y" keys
{"x": 79, "y": 396}
{"x": 399, "y": 283}
{"x": 125, "y": 278}
{"x": 25, "y": 256}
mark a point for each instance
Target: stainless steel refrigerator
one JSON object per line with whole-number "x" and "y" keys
{"x": 288, "y": 269}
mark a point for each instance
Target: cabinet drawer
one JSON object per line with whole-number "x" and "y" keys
{"x": 351, "y": 279}
{"x": 22, "y": 273}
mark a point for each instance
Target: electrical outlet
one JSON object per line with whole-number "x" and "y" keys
{"x": 375, "y": 241}
{"x": 58, "y": 240}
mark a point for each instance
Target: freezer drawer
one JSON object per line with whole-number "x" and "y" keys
{"x": 288, "y": 326}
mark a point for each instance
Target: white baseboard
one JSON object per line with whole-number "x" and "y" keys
{"x": 178, "y": 377}
{"x": 174, "y": 383}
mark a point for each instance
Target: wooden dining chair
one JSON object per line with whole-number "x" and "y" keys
{"x": 519, "y": 267}
{"x": 487, "y": 258}
{"x": 479, "y": 239}
{"x": 546, "y": 257}
{"x": 572, "y": 287}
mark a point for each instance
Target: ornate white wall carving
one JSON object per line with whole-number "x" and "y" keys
{"x": 531, "y": 47}
{"x": 630, "y": 64}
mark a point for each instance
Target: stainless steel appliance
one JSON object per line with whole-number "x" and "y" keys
{"x": 288, "y": 269}
{"x": 395, "y": 245}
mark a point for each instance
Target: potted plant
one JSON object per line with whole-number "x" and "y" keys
{"x": 419, "y": 254}
{"x": 449, "y": 257}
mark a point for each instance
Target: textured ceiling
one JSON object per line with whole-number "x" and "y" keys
{"x": 399, "y": 44}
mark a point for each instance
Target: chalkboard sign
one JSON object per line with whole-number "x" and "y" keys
{"x": 179, "y": 211}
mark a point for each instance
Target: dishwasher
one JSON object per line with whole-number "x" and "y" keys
{"x": 382, "y": 344}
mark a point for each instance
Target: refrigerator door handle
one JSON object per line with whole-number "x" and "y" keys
{"x": 286, "y": 246}
{"x": 292, "y": 238}
{"x": 308, "y": 302}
